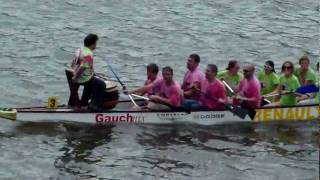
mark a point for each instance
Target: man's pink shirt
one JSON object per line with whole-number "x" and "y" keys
{"x": 190, "y": 78}
{"x": 214, "y": 89}
{"x": 250, "y": 88}
{"x": 154, "y": 89}
{"x": 172, "y": 92}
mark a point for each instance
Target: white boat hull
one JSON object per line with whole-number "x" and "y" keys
{"x": 204, "y": 118}
{"x": 302, "y": 113}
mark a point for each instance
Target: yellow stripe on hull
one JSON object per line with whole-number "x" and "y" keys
{"x": 287, "y": 114}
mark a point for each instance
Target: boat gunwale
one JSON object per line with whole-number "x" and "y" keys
{"x": 69, "y": 110}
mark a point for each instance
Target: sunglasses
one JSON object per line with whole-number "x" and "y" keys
{"x": 286, "y": 67}
{"x": 267, "y": 67}
{"x": 246, "y": 71}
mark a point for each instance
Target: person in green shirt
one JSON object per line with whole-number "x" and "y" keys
{"x": 231, "y": 75}
{"x": 268, "y": 78}
{"x": 311, "y": 98}
{"x": 288, "y": 83}
{"x": 83, "y": 75}
{"x": 304, "y": 73}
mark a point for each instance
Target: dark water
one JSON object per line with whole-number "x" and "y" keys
{"x": 37, "y": 41}
{"x": 239, "y": 151}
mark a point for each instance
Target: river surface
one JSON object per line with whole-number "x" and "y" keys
{"x": 38, "y": 39}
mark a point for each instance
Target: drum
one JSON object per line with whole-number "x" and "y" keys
{"x": 111, "y": 95}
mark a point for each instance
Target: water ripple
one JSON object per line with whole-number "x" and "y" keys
{"x": 39, "y": 38}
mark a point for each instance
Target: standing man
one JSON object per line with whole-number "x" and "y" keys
{"x": 192, "y": 80}
{"x": 84, "y": 75}
{"x": 248, "y": 91}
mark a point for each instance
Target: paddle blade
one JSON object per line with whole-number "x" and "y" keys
{"x": 307, "y": 89}
{"x": 238, "y": 111}
{"x": 265, "y": 101}
{"x": 251, "y": 113}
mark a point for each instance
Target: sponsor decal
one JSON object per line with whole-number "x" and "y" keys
{"x": 127, "y": 118}
{"x": 210, "y": 116}
{"x": 297, "y": 113}
{"x": 181, "y": 116}
{"x": 172, "y": 116}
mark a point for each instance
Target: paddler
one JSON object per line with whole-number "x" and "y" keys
{"x": 192, "y": 80}
{"x": 152, "y": 78}
{"x": 212, "y": 93}
{"x": 84, "y": 75}
{"x": 268, "y": 78}
{"x": 288, "y": 83}
{"x": 231, "y": 75}
{"x": 170, "y": 94}
{"x": 304, "y": 73}
{"x": 311, "y": 98}
{"x": 248, "y": 92}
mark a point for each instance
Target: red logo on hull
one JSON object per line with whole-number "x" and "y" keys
{"x": 101, "y": 118}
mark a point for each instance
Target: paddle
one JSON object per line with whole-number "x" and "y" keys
{"x": 227, "y": 86}
{"x": 311, "y": 88}
{"x": 236, "y": 110}
{"x": 142, "y": 97}
{"x": 264, "y": 101}
{"x": 148, "y": 99}
{"x": 107, "y": 78}
{"x": 251, "y": 112}
{"x": 123, "y": 86}
{"x": 116, "y": 76}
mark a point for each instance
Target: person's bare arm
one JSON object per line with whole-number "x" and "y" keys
{"x": 277, "y": 90}
{"x": 189, "y": 92}
{"x": 160, "y": 99}
{"x": 141, "y": 90}
{"x": 77, "y": 73}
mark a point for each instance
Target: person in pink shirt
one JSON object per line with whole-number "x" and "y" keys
{"x": 212, "y": 93}
{"x": 192, "y": 78}
{"x": 170, "y": 94}
{"x": 247, "y": 94}
{"x": 152, "y": 78}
